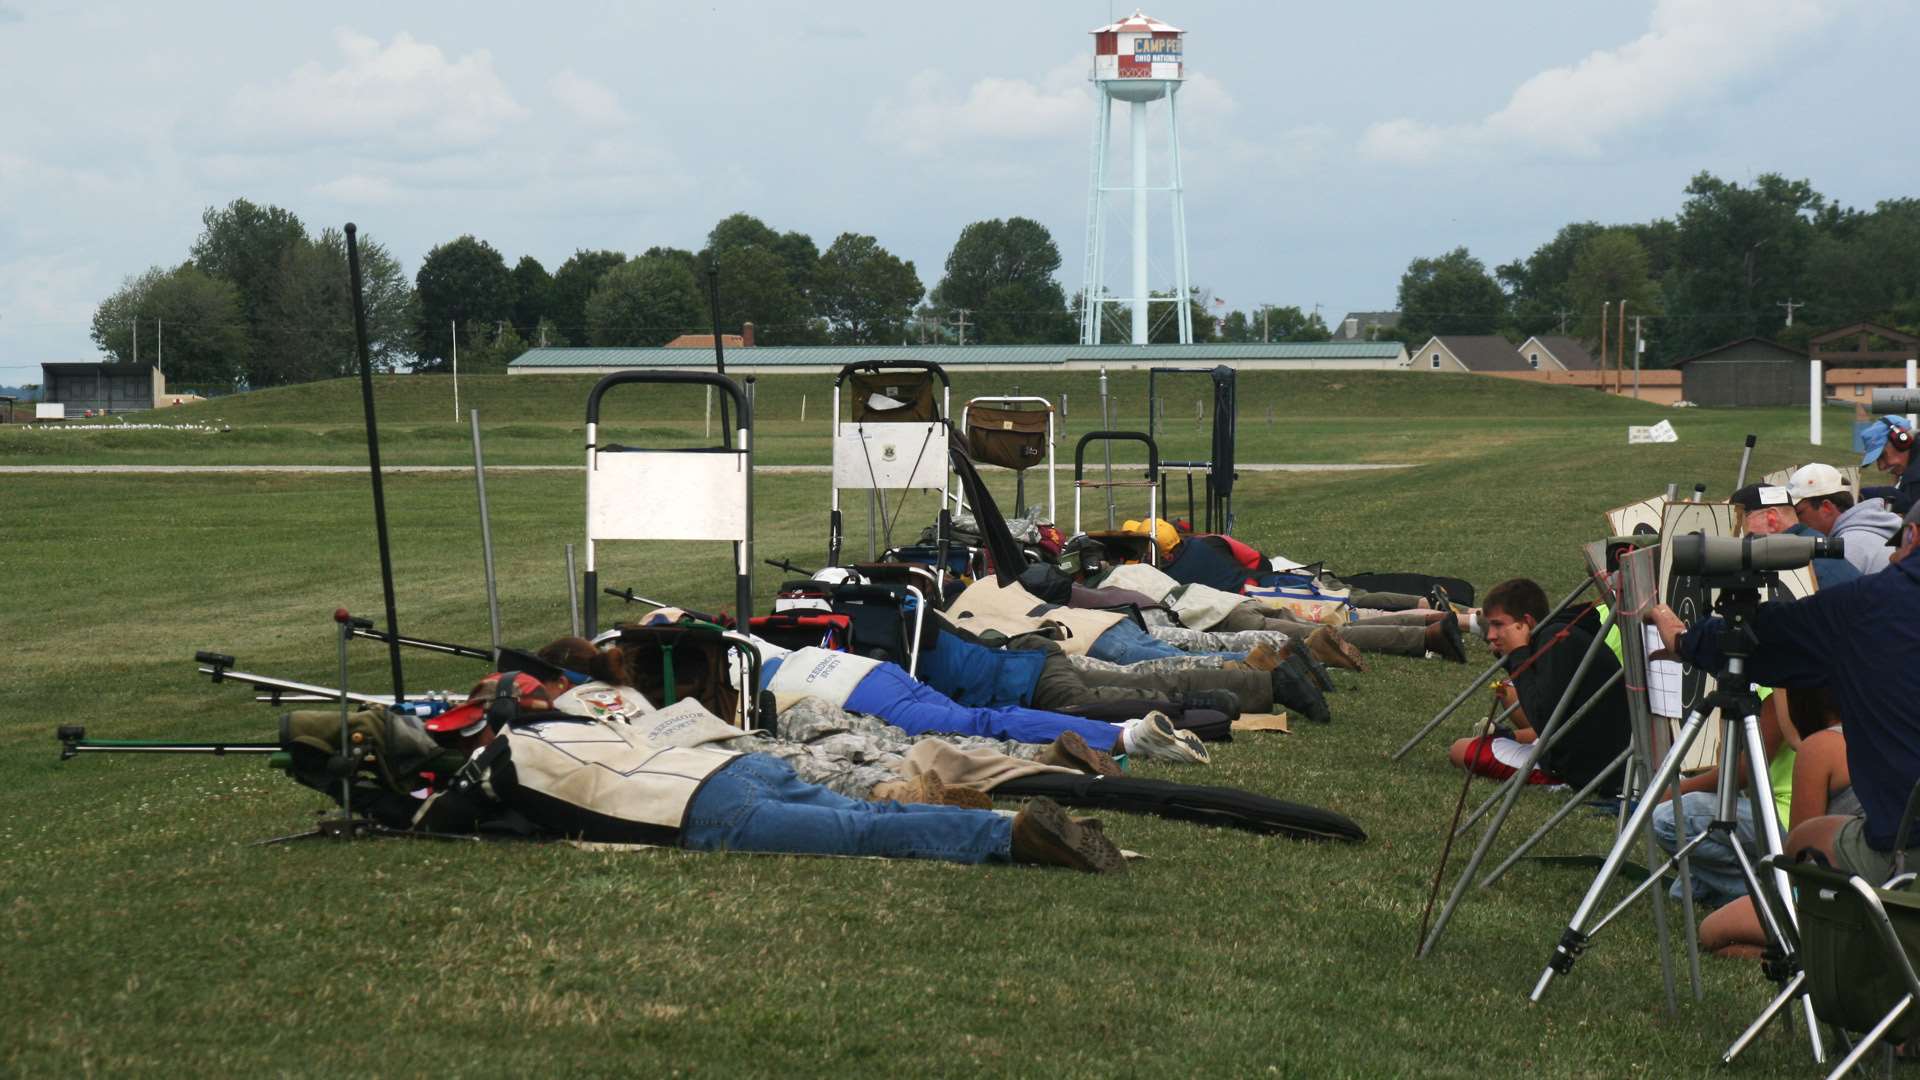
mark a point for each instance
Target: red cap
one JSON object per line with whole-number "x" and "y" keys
{"x": 461, "y": 718}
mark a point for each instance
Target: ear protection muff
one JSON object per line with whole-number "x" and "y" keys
{"x": 1899, "y": 438}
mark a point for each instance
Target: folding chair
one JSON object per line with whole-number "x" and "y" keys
{"x": 1151, "y": 483}
{"x": 695, "y": 493}
{"x": 896, "y": 441}
{"x": 689, "y": 659}
{"x": 1017, "y": 438}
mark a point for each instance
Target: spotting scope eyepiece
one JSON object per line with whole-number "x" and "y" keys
{"x": 1707, "y": 556}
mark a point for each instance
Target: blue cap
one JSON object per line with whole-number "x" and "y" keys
{"x": 1874, "y": 438}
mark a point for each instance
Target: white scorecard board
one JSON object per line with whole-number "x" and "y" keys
{"x": 667, "y": 495}
{"x": 890, "y": 456}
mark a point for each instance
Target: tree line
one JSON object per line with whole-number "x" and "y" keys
{"x": 1773, "y": 259}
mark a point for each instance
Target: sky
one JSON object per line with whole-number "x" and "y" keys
{"x": 1323, "y": 146}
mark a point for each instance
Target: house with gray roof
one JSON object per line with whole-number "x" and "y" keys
{"x": 1556, "y": 352}
{"x": 1468, "y": 352}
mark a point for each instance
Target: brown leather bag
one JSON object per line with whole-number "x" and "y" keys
{"x": 1010, "y": 438}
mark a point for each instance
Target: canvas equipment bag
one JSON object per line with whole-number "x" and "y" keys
{"x": 1010, "y": 438}
{"x": 911, "y": 393}
{"x": 683, "y": 660}
{"x": 397, "y": 751}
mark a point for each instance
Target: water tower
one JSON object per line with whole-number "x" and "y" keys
{"x": 1136, "y": 61}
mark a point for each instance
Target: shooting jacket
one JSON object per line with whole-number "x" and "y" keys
{"x": 987, "y": 606}
{"x": 617, "y": 780}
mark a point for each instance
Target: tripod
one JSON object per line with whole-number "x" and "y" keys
{"x": 1735, "y": 697}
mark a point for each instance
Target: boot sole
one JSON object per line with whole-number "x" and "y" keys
{"x": 1083, "y": 849}
{"x": 1075, "y": 749}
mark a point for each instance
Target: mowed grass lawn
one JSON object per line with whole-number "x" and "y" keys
{"x": 146, "y": 934}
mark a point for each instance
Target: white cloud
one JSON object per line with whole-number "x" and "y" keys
{"x": 931, "y": 113}
{"x": 55, "y": 289}
{"x": 588, "y": 100}
{"x": 405, "y": 94}
{"x": 359, "y": 189}
{"x": 1692, "y": 51}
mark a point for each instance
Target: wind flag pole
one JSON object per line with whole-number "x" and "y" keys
{"x": 719, "y": 347}
{"x": 373, "y": 458}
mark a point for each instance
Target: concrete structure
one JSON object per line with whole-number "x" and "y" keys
{"x": 1751, "y": 371}
{"x": 1661, "y": 386}
{"x": 1136, "y": 60}
{"x": 828, "y": 359}
{"x": 103, "y": 388}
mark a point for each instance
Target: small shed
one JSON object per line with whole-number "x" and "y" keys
{"x": 1751, "y": 371}
{"x": 102, "y": 388}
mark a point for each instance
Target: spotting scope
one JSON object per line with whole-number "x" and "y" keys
{"x": 1896, "y": 399}
{"x": 1707, "y": 556}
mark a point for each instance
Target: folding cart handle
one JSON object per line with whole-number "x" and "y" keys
{"x": 682, "y": 378}
{"x": 1080, "y": 451}
{"x": 882, "y": 366}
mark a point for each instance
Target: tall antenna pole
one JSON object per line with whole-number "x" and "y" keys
{"x": 373, "y": 459}
{"x": 1790, "y": 304}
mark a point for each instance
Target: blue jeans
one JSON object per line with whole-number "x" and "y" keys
{"x": 889, "y": 693}
{"x": 1716, "y": 873}
{"x": 1126, "y": 643}
{"x": 758, "y": 804}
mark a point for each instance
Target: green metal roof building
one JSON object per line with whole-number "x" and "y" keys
{"x": 814, "y": 359}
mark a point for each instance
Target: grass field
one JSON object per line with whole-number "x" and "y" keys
{"x": 146, "y": 935}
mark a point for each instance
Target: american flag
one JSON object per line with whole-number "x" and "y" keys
{"x": 1217, "y": 302}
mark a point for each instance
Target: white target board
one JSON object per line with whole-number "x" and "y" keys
{"x": 667, "y": 495}
{"x": 895, "y": 456}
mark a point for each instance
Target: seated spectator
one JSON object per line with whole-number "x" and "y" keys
{"x": 1820, "y": 785}
{"x": 1889, "y": 446}
{"x": 1543, "y": 659}
{"x": 1823, "y": 502}
{"x": 1769, "y": 510}
{"x": 1714, "y": 867}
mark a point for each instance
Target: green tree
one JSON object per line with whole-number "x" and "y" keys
{"x": 1610, "y": 266}
{"x": 573, "y": 283}
{"x": 532, "y": 293}
{"x": 1163, "y": 324}
{"x": 309, "y": 326}
{"x": 190, "y": 322}
{"x": 487, "y": 348}
{"x": 245, "y": 243}
{"x": 1737, "y": 252}
{"x": 1450, "y": 294}
{"x": 648, "y": 301}
{"x": 461, "y": 280}
{"x": 1003, "y": 271}
{"x": 1537, "y": 285}
{"x": 755, "y": 287}
{"x": 865, "y": 292}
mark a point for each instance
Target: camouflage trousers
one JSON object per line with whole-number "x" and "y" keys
{"x": 849, "y": 753}
{"x": 1238, "y": 641}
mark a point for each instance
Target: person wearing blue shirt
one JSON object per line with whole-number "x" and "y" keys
{"x": 1889, "y": 447}
{"x": 1861, "y": 641}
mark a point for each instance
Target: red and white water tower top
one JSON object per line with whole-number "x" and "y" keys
{"x": 1135, "y": 58}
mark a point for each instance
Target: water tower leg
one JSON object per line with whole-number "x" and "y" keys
{"x": 1138, "y": 147}
{"x": 1183, "y": 282}
{"x": 1096, "y": 217}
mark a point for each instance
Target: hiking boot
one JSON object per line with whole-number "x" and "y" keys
{"x": 1297, "y": 692}
{"x": 1303, "y": 661}
{"x": 1262, "y": 657}
{"x": 1070, "y": 751}
{"x": 1328, "y": 647}
{"x": 1444, "y": 640}
{"x": 1044, "y": 835}
{"x": 1220, "y": 701}
{"x": 1154, "y": 737}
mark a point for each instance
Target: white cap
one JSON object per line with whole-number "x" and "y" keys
{"x": 1815, "y": 481}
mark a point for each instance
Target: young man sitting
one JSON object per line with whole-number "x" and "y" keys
{"x": 1545, "y": 658}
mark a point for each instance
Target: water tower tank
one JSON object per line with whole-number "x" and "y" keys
{"x": 1135, "y": 58}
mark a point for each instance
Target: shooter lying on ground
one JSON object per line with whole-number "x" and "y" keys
{"x": 665, "y": 778}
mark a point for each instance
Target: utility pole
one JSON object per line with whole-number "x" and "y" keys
{"x": 1606, "y": 308}
{"x": 1620, "y": 348}
{"x": 960, "y": 321}
{"x": 1266, "y": 310}
{"x": 160, "y": 350}
{"x": 1563, "y": 313}
{"x": 1790, "y": 304}
{"x": 136, "y": 339}
{"x": 1639, "y": 346}
{"x": 455, "y": 324}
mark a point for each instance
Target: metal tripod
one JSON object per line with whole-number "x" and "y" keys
{"x": 1735, "y": 697}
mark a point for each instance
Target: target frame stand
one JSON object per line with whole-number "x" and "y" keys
{"x": 687, "y": 493}
{"x": 1151, "y": 483}
{"x": 877, "y": 455}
